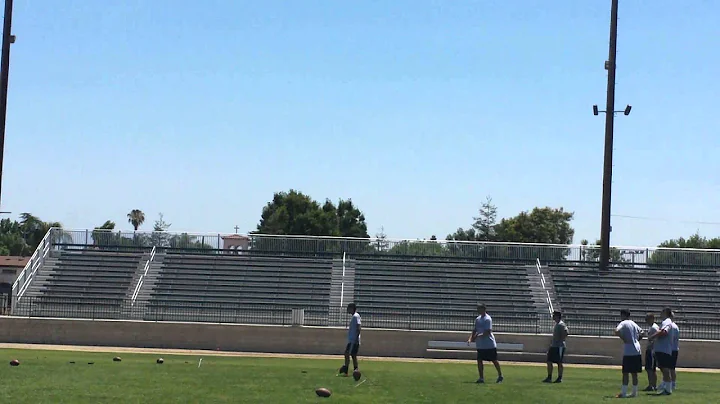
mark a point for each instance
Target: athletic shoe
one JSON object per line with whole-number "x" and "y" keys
{"x": 558, "y": 380}
{"x": 481, "y": 380}
{"x": 649, "y": 388}
{"x": 499, "y": 379}
{"x": 548, "y": 380}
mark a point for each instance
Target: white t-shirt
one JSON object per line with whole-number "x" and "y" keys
{"x": 674, "y": 337}
{"x": 482, "y": 324}
{"x": 353, "y": 329}
{"x": 650, "y": 332}
{"x": 664, "y": 344}
{"x": 630, "y": 333}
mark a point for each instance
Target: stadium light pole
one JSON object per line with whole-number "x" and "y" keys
{"x": 7, "y": 39}
{"x": 610, "y": 66}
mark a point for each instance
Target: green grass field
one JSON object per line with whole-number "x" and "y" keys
{"x": 49, "y": 377}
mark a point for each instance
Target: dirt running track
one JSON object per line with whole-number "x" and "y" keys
{"x": 272, "y": 355}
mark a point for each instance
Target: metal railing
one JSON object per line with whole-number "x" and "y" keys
{"x": 548, "y": 300}
{"x": 138, "y": 287}
{"x": 308, "y": 245}
{"x": 402, "y": 319}
{"x": 36, "y": 262}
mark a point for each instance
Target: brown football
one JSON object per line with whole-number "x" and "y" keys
{"x": 323, "y": 392}
{"x": 160, "y": 361}
{"x": 14, "y": 362}
{"x": 117, "y": 359}
{"x": 357, "y": 375}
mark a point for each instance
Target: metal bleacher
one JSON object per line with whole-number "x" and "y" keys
{"x": 437, "y": 294}
{"x": 692, "y": 293}
{"x": 221, "y": 287}
{"x": 83, "y": 282}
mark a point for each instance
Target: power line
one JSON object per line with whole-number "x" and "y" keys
{"x": 657, "y": 219}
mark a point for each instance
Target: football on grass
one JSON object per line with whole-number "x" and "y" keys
{"x": 117, "y": 359}
{"x": 323, "y": 392}
{"x": 14, "y": 362}
{"x": 357, "y": 375}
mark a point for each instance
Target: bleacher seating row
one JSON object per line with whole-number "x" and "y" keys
{"x": 200, "y": 283}
{"x": 692, "y": 293}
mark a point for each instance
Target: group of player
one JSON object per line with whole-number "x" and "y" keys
{"x": 661, "y": 352}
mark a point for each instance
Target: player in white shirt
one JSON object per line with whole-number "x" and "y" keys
{"x": 485, "y": 343}
{"x": 650, "y": 362}
{"x": 663, "y": 351}
{"x": 353, "y": 340}
{"x": 631, "y": 334}
{"x": 675, "y": 347}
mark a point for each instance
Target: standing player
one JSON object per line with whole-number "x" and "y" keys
{"x": 675, "y": 347}
{"x": 485, "y": 343}
{"x": 557, "y": 348}
{"x": 650, "y": 363}
{"x": 663, "y": 351}
{"x": 353, "y": 340}
{"x": 630, "y": 333}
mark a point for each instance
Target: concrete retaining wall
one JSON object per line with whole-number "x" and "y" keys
{"x": 303, "y": 340}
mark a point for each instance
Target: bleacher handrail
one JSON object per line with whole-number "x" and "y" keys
{"x": 136, "y": 292}
{"x": 35, "y": 262}
{"x": 548, "y": 300}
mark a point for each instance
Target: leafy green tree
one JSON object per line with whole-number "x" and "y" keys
{"x": 136, "y": 218}
{"x": 669, "y": 255}
{"x": 159, "y": 236}
{"x": 485, "y": 223}
{"x": 592, "y": 253}
{"x": 188, "y": 242}
{"x": 294, "y": 213}
{"x": 23, "y": 237}
{"x": 539, "y": 226}
{"x": 483, "y": 227}
{"x": 34, "y": 229}
{"x": 350, "y": 220}
{"x": 419, "y": 249}
{"x": 12, "y": 241}
{"x": 381, "y": 242}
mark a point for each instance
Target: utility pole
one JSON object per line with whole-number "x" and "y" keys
{"x": 7, "y": 39}
{"x": 605, "y": 226}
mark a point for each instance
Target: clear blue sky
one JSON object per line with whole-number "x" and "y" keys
{"x": 414, "y": 109}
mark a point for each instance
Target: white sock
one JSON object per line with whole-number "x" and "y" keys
{"x": 635, "y": 390}
{"x": 674, "y": 386}
{"x": 623, "y": 390}
{"x": 668, "y": 387}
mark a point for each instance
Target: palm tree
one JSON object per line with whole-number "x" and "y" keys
{"x": 136, "y": 218}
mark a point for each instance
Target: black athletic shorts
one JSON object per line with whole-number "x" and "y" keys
{"x": 555, "y": 354}
{"x": 664, "y": 361}
{"x": 632, "y": 364}
{"x": 650, "y": 362}
{"x": 487, "y": 354}
{"x": 352, "y": 349}
{"x": 673, "y": 363}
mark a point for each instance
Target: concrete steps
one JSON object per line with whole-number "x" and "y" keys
{"x": 540, "y": 292}
{"x": 342, "y": 288}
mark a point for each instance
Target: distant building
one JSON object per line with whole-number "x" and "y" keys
{"x": 236, "y": 243}
{"x": 10, "y": 268}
